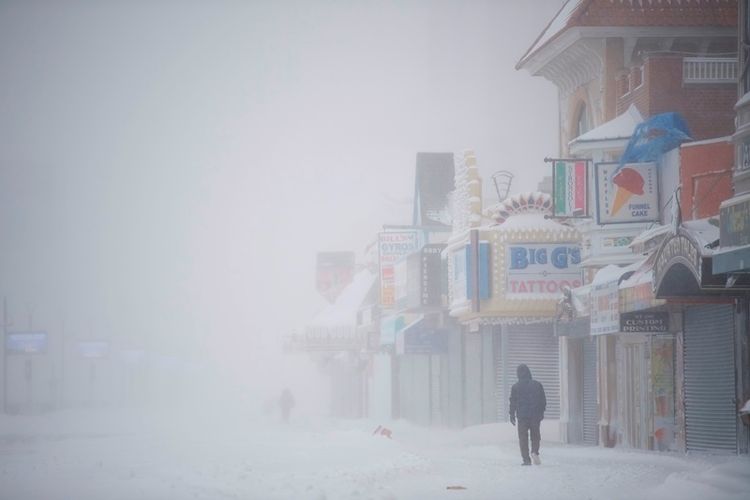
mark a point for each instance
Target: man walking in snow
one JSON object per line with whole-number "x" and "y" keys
{"x": 286, "y": 403}
{"x": 527, "y": 403}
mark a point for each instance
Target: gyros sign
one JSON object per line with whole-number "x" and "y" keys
{"x": 542, "y": 270}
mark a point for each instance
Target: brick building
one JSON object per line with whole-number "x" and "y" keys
{"x": 616, "y": 63}
{"x": 660, "y": 55}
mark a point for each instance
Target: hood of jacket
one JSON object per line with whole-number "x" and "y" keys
{"x": 523, "y": 372}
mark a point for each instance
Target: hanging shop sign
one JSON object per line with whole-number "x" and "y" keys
{"x": 26, "y": 342}
{"x": 734, "y": 225}
{"x": 334, "y": 271}
{"x": 537, "y": 270}
{"x": 424, "y": 275}
{"x": 734, "y": 236}
{"x": 627, "y": 193}
{"x": 644, "y": 322}
{"x": 605, "y": 312}
{"x": 569, "y": 188}
{"x": 392, "y": 246}
{"x": 431, "y": 276}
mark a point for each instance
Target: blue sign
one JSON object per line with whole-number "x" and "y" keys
{"x": 26, "y": 342}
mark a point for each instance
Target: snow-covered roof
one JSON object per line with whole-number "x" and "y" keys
{"x": 612, "y": 272}
{"x": 620, "y": 127}
{"x": 532, "y": 222}
{"x": 644, "y": 273}
{"x": 704, "y": 231}
{"x": 554, "y": 28}
{"x": 343, "y": 312}
{"x": 650, "y": 233}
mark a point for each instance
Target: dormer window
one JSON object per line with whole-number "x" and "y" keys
{"x": 583, "y": 124}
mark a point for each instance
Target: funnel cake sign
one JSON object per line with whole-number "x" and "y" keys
{"x": 627, "y": 193}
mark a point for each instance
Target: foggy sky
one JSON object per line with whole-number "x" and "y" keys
{"x": 169, "y": 169}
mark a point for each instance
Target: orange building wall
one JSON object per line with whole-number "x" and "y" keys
{"x": 706, "y": 178}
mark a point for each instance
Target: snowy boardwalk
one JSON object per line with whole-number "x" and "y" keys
{"x": 69, "y": 456}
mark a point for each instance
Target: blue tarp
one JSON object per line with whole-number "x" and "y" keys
{"x": 654, "y": 137}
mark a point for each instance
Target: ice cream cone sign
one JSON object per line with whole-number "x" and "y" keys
{"x": 629, "y": 182}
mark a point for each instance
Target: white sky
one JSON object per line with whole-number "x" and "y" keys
{"x": 169, "y": 170}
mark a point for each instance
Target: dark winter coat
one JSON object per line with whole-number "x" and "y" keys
{"x": 527, "y": 399}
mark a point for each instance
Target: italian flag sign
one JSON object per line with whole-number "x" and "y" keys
{"x": 569, "y": 180}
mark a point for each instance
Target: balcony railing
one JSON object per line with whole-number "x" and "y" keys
{"x": 709, "y": 70}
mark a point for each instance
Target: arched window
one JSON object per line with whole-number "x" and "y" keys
{"x": 582, "y": 123}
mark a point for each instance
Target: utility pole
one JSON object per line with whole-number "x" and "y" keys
{"x": 62, "y": 365}
{"x": 5, "y": 326}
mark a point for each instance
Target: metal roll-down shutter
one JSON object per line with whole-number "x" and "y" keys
{"x": 535, "y": 345}
{"x": 710, "y": 410}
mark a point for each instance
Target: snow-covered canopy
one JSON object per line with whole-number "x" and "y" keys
{"x": 532, "y": 222}
{"x": 619, "y": 128}
{"x": 612, "y": 272}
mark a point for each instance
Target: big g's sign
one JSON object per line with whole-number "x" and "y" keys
{"x": 542, "y": 270}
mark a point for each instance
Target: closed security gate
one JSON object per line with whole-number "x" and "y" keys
{"x": 453, "y": 374}
{"x": 501, "y": 399}
{"x": 710, "y": 410}
{"x": 472, "y": 379}
{"x": 536, "y": 346}
{"x": 590, "y": 409}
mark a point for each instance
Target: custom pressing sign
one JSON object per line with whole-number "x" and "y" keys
{"x": 644, "y": 322}
{"x": 537, "y": 270}
{"x": 626, "y": 194}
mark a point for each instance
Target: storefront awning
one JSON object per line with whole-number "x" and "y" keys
{"x": 684, "y": 265}
{"x": 400, "y": 334}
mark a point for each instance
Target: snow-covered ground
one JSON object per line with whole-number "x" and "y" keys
{"x": 131, "y": 455}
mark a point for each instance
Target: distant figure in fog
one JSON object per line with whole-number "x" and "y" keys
{"x": 527, "y": 403}
{"x": 286, "y": 402}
